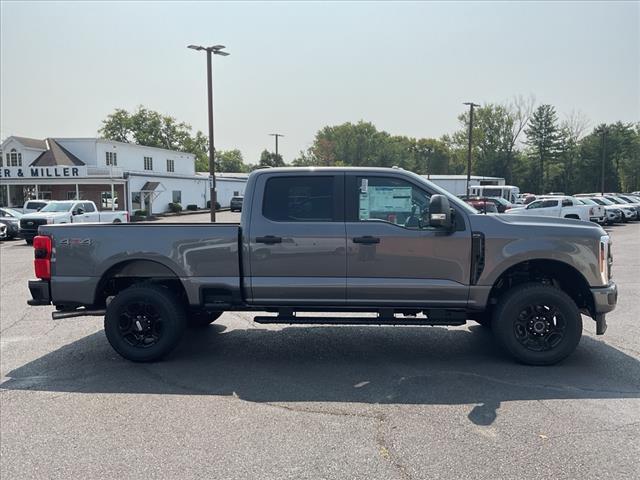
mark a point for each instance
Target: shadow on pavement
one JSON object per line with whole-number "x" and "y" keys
{"x": 385, "y": 365}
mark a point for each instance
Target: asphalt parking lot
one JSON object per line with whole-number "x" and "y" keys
{"x": 241, "y": 400}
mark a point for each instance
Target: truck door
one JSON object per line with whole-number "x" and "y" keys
{"x": 297, "y": 239}
{"x": 393, "y": 256}
{"x": 90, "y": 212}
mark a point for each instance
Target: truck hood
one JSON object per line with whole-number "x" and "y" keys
{"x": 538, "y": 226}
{"x": 36, "y": 215}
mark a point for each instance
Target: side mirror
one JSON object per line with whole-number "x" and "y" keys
{"x": 78, "y": 211}
{"x": 440, "y": 212}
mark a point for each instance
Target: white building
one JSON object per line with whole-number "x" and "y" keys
{"x": 96, "y": 169}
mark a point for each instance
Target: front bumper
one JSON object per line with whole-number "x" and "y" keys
{"x": 40, "y": 293}
{"x": 604, "y": 301}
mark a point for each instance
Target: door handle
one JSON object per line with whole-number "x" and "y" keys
{"x": 269, "y": 240}
{"x": 367, "y": 240}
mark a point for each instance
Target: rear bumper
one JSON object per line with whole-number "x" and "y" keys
{"x": 40, "y": 293}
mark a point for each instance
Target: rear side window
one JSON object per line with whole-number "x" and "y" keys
{"x": 299, "y": 199}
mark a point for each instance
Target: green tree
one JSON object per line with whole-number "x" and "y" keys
{"x": 153, "y": 129}
{"x": 270, "y": 159}
{"x": 543, "y": 141}
{"x": 230, "y": 161}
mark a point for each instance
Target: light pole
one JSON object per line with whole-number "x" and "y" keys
{"x": 471, "y": 106}
{"x": 604, "y": 149}
{"x": 215, "y": 50}
{"x": 277, "y": 135}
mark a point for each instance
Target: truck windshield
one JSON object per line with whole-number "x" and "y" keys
{"x": 57, "y": 207}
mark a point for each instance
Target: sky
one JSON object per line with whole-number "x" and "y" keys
{"x": 297, "y": 67}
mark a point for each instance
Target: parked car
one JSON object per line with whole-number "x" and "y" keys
{"x": 384, "y": 241}
{"x": 483, "y": 205}
{"x": 31, "y": 206}
{"x": 69, "y": 211}
{"x": 236, "y": 204}
{"x": 563, "y": 207}
{"x": 612, "y": 214}
{"x": 628, "y": 212}
{"x": 619, "y": 200}
{"x": 11, "y": 218}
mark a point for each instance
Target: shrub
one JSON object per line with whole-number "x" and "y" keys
{"x": 209, "y": 205}
{"x": 175, "y": 207}
{"x": 192, "y": 207}
{"x": 140, "y": 213}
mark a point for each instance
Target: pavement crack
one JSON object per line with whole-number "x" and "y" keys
{"x": 385, "y": 449}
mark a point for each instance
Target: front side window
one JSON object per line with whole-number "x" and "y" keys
{"x": 567, "y": 203}
{"x": 148, "y": 163}
{"x": 170, "y": 165}
{"x": 299, "y": 199}
{"x": 394, "y": 201}
{"x": 534, "y": 205}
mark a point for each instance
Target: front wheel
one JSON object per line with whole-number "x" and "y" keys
{"x": 144, "y": 323}
{"x": 537, "y": 324}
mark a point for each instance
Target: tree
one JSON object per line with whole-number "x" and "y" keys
{"x": 153, "y": 129}
{"x": 543, "y": 140}
{"x": 230, "y": 161}
{"x": 269, "y": 159}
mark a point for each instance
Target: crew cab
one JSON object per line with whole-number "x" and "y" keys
{"x": 563, "y": 207}
{"x": 70, "y": 211}
{"x": 386, "y": 242}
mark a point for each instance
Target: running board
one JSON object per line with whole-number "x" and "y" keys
{"x": 448, "y": 318}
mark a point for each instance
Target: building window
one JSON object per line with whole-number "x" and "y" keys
{"x": 1, "y": 157}
{"x": 177, "y": 196}
{"x": 16, "y": 159}
{"x": 148, "y": 163}
{"x": 106, "y": 201}
{"x": 71, "y": 195}
{"x": 170, "y": 165}
{"x": 111, "y": 159}
{"x": 44, "y": 195}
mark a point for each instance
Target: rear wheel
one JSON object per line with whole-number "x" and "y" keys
{"x": 537, "y": 324}
{"x": 29, "y": 241}
{"x": 144, "y": 323}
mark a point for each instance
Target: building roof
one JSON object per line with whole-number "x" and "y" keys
{"x": 55, "y": 154}
{"x": 32, "y": 142}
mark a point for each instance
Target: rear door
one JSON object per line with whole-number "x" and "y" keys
{"x": 297, "y": 239}
{"x": 393, "y": 256}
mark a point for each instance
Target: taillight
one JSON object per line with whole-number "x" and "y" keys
{"x": 42, "y": 254}
{"x": 126, "y": 216}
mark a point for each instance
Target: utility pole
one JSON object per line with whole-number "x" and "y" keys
{"x": 277, "y": 135}
{"x": 215, "y": 50}
{"x": 471, "y": 106}
{"x": 604, "y": 149}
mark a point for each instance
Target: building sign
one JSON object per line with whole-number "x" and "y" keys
{"x": 38, "y": 173}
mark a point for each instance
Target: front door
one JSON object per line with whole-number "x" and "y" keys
{"x": 393, "y": 256}
{"x": 296, "y": 238}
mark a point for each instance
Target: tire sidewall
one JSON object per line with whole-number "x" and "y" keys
{"x": 169, "y": 309}
{"x": 510, "y": 307}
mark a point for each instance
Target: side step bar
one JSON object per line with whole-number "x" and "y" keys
{"x": 80, "y": 312}
{"x": 440, "y": 317}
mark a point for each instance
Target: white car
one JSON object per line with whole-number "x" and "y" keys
{"x": 563, "y": 207}
{"x": 70, "y": 211}
{"x": 31, "y": 206}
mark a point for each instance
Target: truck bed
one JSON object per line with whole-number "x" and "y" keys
{"x": 199, "y": 253}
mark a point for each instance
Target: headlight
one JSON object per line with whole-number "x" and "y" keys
{"x": 603, "y": 258}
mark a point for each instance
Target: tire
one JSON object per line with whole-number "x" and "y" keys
{"x": 524, "y": 324}
{"x": 199, "y": 319}
{"x": 29, "y": 241}
{"x": 117, "y": 220}
{"x": 161, "y": 314}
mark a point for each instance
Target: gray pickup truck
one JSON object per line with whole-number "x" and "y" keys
{"x": 381, "y": 241}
